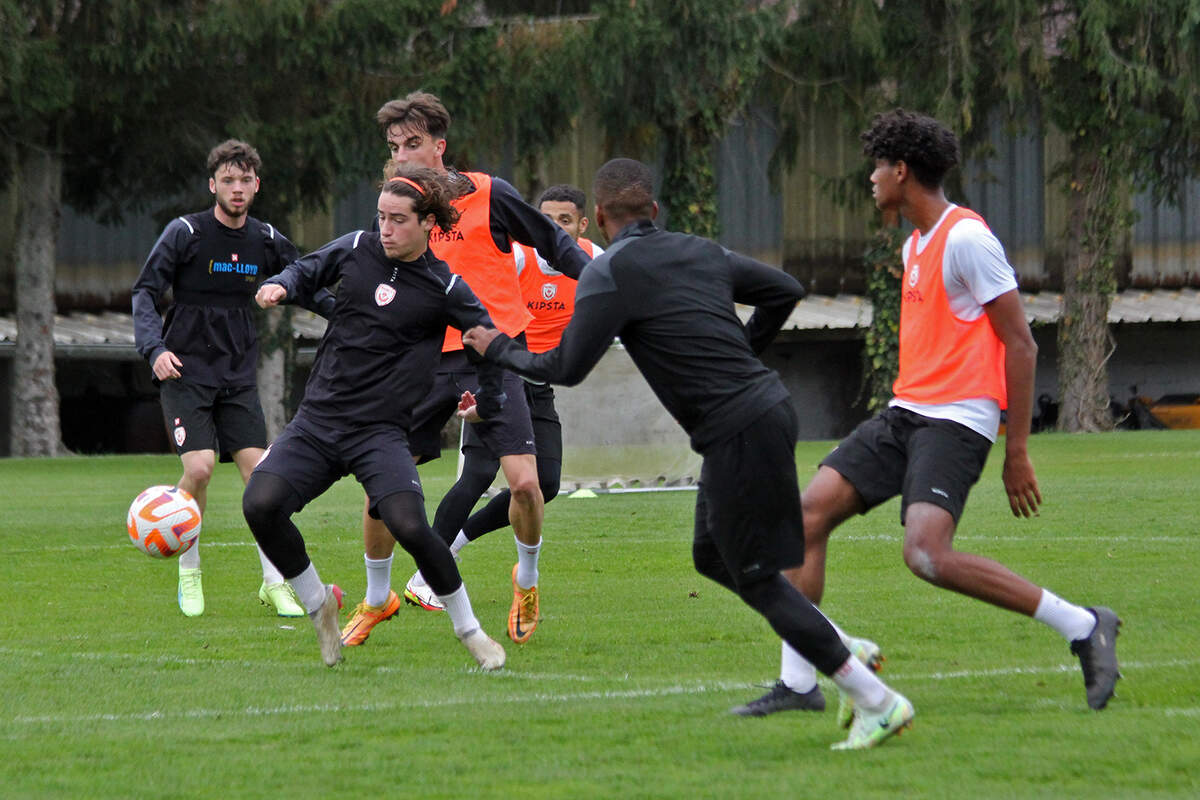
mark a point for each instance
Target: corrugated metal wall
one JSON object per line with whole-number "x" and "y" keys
{"x": 795, "y": 223}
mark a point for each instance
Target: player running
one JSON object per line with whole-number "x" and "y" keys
{"x": 670, "y": 297}
{"x": 966, "y": 353}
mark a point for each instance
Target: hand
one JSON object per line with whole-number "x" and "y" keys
{"x": 166, "y": 366}
{"x": 270, "y": 294}
{"x": 468, "y": 411}
{"x": 479, "y": 337}
{"x": 1021, "y": 485}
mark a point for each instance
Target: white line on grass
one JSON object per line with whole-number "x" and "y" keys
{"x": 1048, "y": 538}
{"x": 545, "y": 697}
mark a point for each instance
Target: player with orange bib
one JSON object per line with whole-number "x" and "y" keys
{"x": 966, "y": 354}
{"x": 550, "y": 298}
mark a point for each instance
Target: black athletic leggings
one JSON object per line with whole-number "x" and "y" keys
{"x": 478, "y": 473}
{"x": 269, "y": 503}
{"x": 793, "y": 617}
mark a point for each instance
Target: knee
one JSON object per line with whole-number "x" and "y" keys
{"x": 198, "y": 472}
{"x": 921, "y": 560}
{"x": 257, "y": 510}
{"x": 549, "y": 491}
{"x": 525, "y": 490}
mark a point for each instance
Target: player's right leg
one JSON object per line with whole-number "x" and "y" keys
{"x": 404, "y": 514}
{"x": 286, "y": 480}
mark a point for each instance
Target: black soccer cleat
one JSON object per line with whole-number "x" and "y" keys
{"x": 1098, "y": 657}
{"x": 782, "y": 698}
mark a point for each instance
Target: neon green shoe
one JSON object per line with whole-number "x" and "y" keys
{"x": 191, "y": 593}
{"x": 868, "y": 653}
{"x": 282, "y": 598}
{"x": 873, "y": 729}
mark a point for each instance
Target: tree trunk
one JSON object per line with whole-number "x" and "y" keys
{"x": 35, "y": 425}
{"x": 1085, "y": 342}
{"x": 277, "y": 352}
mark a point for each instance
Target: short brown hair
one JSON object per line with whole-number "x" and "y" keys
{"x": 420, "y": 110}
{"x": 236, "y": 152}
{"x": 624, "y": 189}
{"x": 431, "y": 195}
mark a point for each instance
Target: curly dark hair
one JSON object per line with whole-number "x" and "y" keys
{"x": 432, "y": 197}
{"x": 235, "y": 152}
{"x": 927, "y": 146}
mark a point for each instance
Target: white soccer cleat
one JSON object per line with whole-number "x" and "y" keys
{"x": 487, "y": 651}
{"x": 419, "y": 593}
{"x": 325, "y": 620}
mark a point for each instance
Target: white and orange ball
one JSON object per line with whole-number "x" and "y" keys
{"x": 163, "y": 521}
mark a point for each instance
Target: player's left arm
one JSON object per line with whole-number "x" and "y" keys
{"x": 600, "y": 314}
{"x": 772, "y": 292}
{"x": 1007, "y": 316}
{"x": 523, "y": 223}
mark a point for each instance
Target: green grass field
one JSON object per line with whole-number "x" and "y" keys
{"x": 624, "y": 691}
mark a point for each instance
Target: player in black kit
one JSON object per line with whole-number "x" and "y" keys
{"x": 375, "y": 362}
{"x": 204, "y": 353}
{"x": 670, "y": 297}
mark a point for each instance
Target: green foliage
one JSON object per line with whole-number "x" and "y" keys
{"x": 673, "y": 74}
{"x": 881, "y": 342}
{"x": 625, "y": 688}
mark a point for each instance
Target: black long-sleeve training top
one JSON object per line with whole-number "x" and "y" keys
{"x": 213, "y": 272}
{"x": 670, "y": 297}
{"x": 384, "y": 339}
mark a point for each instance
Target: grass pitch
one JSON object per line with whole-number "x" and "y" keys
{"x": 108, "y": 691}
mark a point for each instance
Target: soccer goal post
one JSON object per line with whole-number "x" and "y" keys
{"x": 618, "y": 437}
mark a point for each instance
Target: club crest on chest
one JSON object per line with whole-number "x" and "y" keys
{"x": 384, "y": 294}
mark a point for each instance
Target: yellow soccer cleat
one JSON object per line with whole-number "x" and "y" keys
{"x": 523, "y": 616}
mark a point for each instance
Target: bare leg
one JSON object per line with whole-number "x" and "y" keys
{"x": 929, "y": 552}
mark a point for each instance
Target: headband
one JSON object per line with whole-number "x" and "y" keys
{"x": 410, "y": 182}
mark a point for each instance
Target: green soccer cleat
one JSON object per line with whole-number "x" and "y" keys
{"x": 872, "y": 729}
{"x": 282, "y": 598}
{"x": 191, "y": 593}
{"x": 868, "y": 653}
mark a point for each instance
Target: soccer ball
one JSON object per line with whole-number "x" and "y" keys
{"x": 163, "y": 521}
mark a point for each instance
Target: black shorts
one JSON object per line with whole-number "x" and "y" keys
{"x": 311, "y": 459}
{"x": 748, "y": 507}
{"x": 508, "y": 433}
{"x": 207, "y": 418}
{"x": 547, "y": 430}
{"x": 924, "y": 460}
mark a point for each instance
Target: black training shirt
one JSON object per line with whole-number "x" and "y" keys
{"x": 213, "y": 272}
{"x": 670, "y": 297}
{"x": 384, "y": 339}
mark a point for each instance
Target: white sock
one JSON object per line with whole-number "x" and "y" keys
{"x": 270, "y": 574}
{"x": 459, "y": 543}
{"x": 309, "y": 589}
{"x": 527, "y": 563}
{"x": 1071, "y": 621}
{"x": 379, "y": 580}
{"x": 856, "y": 680}
{"x": 795, "y": 672}
{"x": 458, "y": 606}
{"x": 190, "y": 559}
